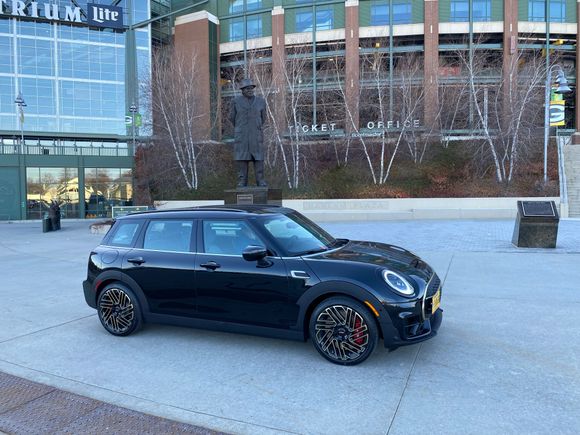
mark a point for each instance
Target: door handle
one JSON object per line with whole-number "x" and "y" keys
{"x": 211, "y": 265}
{"x": 137, "y": 260}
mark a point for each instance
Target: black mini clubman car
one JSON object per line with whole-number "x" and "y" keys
{"x": 261, "y": 270}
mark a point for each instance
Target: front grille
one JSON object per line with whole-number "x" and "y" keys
{"x": 433, "y": 285}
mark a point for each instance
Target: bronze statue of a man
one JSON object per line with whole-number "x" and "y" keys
{"x": 248, "y": 115}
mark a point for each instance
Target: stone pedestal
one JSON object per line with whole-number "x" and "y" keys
{"x": 253, "y": 195}
{"x": 536, "y": 225}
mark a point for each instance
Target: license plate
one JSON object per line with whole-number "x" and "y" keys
{"x": 436, "y": 301}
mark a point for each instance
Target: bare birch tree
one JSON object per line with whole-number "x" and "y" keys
{"x": 504, "y": 111}
{"x": 178, "y": 115}
{"x": 394, "y": 119}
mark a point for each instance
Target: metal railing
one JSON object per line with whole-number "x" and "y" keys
{"x": 62, "y": 150}
{"x": 562, "y": 141}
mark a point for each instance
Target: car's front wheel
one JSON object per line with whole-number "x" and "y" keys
{"x": 343, "y": 331}
{"x": 119, "y": 310}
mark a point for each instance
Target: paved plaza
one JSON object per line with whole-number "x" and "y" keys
{"x": 506, "y": 360}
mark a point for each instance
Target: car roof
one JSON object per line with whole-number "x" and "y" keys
{"x": 213, "y": 211}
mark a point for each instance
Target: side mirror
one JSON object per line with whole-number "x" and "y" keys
{"x": 256, "y": 253}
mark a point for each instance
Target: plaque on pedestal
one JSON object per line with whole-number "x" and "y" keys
{"x": 536, "y": 225}
{"x": 253, "y": 195}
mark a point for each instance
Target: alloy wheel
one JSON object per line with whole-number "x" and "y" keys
{"x": 116, "y": 311}
{"x": 341, "y": 333}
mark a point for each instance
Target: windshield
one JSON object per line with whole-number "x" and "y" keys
{"x": 296, "y": 234}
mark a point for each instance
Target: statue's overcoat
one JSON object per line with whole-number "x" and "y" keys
{"x": 248, "y": 115}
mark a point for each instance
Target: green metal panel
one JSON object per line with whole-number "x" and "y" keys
{"x": 52, "y": 161}
{"x": 417, "y": 10}
{"x": 225, "y": 30}
{"x": 364, "y": 13}
{"x": 10, "y": 195}
{"x": 290, "y": 20}
{"x": 267, "y": 24}
{"x": 523, "y": 10}
{"x": 444, "y": 11}
{"x": 570, "y": 11}
{"x": 339, "y": 16}
{"x": 497, "y": 10}
{"x": 108, "y": 162}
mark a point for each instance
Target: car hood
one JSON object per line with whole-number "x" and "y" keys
{"x": 379, "y": 254}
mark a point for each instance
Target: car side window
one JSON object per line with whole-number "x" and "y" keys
{"x": 125, "y": 234}
{"x": 168, "y": 235}
{"x": 228, "y": 237}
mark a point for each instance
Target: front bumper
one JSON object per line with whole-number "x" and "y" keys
{"x": 413, "y": 321}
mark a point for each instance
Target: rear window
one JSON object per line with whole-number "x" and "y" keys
{"x": 124, "y": 234}
{"x": 168, "y": 235}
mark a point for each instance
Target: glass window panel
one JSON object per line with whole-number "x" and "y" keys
{"x": 558, "y": 11}
{"x": 254, "y": 27}
{"x": 304, "y": 21}
{"x": 236, "y": 6}
{"x": 237, "y": 29}
{"x": 537, "y": 10}
{"x": 35, "y": 56}
{"x": 402, "y": 13}
{"x": 481, "y": 10}
{"x": 324, "y": 19}
{"x": 168, "y": 235}
{"x": 379, "y": 14}
{"x": 228, "y": 237}
{"x": 6, "y": 57}
{"x": 34, "y": 28}
{"x": 7, "y": 95}
{"x": 39, "y": 97}
{"x": 125, "y": 233}
{"x": 5, "y": 25}
{"x": 142, "y": 38}
{"x": 459, "y": 10}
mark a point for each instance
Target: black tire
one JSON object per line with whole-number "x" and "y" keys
{"x": 343, "y": 331}
{"x": 119, "y": 310}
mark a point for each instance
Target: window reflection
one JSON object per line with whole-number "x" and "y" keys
{"x": 44, "y": 185}
{"x": 105, "y": 188}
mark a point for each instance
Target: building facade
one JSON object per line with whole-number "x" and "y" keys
{"x": 68, "y": 75}
{"x": 335, "y": 51}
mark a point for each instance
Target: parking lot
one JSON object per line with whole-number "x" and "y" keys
{"x": 506, "y": 360}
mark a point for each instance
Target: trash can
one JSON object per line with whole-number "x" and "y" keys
{"x": 46, "y": 223}
{"x": 536, "y": 225}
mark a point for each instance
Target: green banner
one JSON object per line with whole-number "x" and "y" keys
{"x": 129, "y": 120}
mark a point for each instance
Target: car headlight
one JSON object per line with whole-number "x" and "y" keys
{"x": 398, "y": 283}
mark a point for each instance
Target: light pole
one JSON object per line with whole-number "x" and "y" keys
{"x": 21, "y": 104}
{"x": 133, "y": 110}
{"x": 563, "y": 88}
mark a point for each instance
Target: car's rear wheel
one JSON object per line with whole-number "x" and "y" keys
{"x": 119, "y": 310}
{"x": 343, "y": 331}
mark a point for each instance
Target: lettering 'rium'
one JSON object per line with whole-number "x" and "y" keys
{"x": 51, "y": 12}
{"x": 314, "y": 127}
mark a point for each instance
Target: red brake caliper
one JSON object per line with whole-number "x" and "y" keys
{"x": 357, "y": 324}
